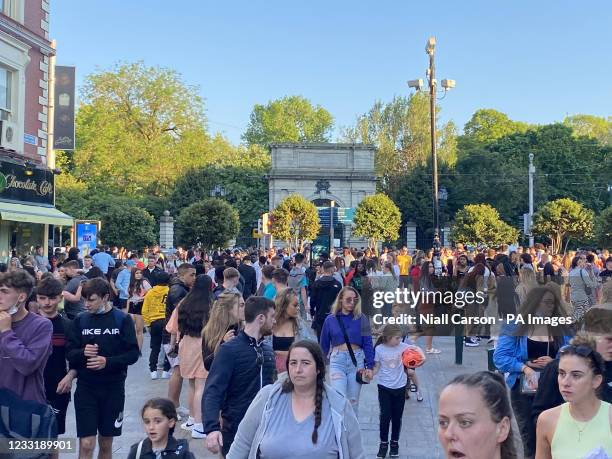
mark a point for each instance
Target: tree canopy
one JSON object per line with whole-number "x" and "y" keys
{"x": 400, "y": 129}
{"x": 603, "y": 228}
{"x": 290, "y": 119}
{"x": 487, "y": 125}
{"x": 479, "y": 224}
{"x": 562, "y": 219}
{"x": 377, "y": 218}
{"x": 210, "y": 222}
{"x": 295, "y": 220}
{"x": 138, "y": 128}
{"x": 595, "y": 127}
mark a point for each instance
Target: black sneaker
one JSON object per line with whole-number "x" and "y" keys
{"x": 382, "y": 450}
{"x": 394, "y": 450}
{"x": 471, "y": 342}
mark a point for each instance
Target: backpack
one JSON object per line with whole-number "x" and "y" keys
{"x": 26, "y": 419}
{"x": 295, "y": 280}
{"x": 118, "y": 315}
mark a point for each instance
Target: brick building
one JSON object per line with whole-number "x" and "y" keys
{"x": 27, "y": 185}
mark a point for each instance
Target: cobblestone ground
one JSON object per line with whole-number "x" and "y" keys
{"x": 418, "y": 439}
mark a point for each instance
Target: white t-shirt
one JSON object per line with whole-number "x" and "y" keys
{"x": 391, "y": 373}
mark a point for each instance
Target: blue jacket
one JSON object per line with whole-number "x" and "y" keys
{"x": 123, "y": 283}
{"x": 511, "y": 352}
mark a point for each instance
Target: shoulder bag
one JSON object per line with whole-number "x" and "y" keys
{"x": 359, "y": 375}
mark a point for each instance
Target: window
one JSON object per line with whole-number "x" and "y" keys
{"x": 12, "y": 9}
{"x": 6, "y": 81}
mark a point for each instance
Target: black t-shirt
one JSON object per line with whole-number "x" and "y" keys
{"x": 57, "y": 367}
{"x": 605, "y": 275}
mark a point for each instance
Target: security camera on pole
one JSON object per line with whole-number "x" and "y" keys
{"x": 446, "y": 85}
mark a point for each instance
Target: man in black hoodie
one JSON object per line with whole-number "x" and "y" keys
{"x": 101, "y": 345}
{"x": 249, "y": 275}
{"x": 179, "y": 287}
{"x": 323, "y": 294}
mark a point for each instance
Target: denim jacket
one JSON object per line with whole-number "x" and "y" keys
{"x": 511, "y": 352}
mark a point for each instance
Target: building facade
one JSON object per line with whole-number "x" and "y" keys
{"x": 27, "y": 185}
{"x": 322, "y": 173}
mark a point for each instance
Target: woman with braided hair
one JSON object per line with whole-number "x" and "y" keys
{"x": 299, "y": 412}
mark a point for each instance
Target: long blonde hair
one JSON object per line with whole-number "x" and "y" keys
{"x": 221, "y": 318}
{"x": 337, "y": 306}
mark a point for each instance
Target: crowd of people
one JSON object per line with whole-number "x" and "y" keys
{"x": 276, "y": 347}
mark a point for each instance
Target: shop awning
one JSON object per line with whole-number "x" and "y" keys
{"x": 34, "y": 214}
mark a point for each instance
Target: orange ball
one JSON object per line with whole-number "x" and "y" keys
{"x": 412, "y": 358}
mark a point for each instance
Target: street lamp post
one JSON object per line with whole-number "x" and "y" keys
{"x": 331, "y": 227}
{"x": 431, "y": 78}
{"x": 446, "y": 85}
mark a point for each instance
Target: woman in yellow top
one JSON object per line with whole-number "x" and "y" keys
{"x": 582, "y": 426}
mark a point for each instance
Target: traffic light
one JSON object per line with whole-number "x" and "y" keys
{"x": 265, "y": 223}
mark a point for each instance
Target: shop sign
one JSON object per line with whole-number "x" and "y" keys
{"x": 31, "y": 185}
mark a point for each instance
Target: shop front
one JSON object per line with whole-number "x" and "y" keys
{"x": 27, "y": 210}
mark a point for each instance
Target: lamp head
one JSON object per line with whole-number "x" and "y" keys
{"x": 416, "y": 84}
{"x": 448, "y": 84}
{"x": 431, "y": 45}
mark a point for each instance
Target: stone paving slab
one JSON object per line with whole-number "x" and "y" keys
{"x": 418, "y": 438}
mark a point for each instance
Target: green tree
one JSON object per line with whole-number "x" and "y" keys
{"x": 561, "y": 220}
{"x": 480, "y": 224}
{"x": 295, "y": 220}
{"x": 138, "y": 128}
{"x": 290, "y": 119}
{"x": 487, "y": 125}
{"x": 245, "y": 188}
{"x": 128, "y": 226}
{"x": 210, "y": 222}
{"x": 566, "y": 166}
{"x": 596, "y": 127}
{"x": 603, "y": 228}
{"x": 400, "y": 130}
{"x": 378, "y": 219}
{"x": 414, "y": 197}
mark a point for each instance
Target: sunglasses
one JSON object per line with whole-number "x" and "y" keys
{"x": 351, "y": 300}
{"x": 583, "y": 351}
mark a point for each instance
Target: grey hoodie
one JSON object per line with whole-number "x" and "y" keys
{"x": 255, "y": 422}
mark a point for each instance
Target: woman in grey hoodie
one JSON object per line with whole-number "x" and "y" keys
{"x": 299, "y": 414}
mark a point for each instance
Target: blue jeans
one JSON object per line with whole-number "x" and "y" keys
{"x": 342, "y": 373}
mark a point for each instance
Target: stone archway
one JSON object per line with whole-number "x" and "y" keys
{"x": 322, "y": 172}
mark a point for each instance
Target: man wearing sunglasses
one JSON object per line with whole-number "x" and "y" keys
{"x": 240, "y": 369}
{"x": 598, "y": 326}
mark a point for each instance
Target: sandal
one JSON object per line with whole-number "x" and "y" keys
{"x": 419, "y": 397}
{"x": 433, "y": 350}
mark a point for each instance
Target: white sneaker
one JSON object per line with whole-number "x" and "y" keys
{"x": 189, "y": 424}
{"x": 154, "y": 375}
{"x": 198, "y": 431}
{"x": 165, "y": 375}
{"x": 183, "y": 412}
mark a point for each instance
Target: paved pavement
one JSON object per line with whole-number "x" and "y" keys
{"x": 418, "y": 439}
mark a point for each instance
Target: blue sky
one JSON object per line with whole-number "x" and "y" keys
{"x": 536, "y": 60}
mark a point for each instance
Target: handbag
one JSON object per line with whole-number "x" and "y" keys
{"x": 359, "y": 375}
{"x": 588, "y": 290}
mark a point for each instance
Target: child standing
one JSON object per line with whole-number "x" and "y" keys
{"x": 159, "y": 418}
{"x": 392, "y": 381}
